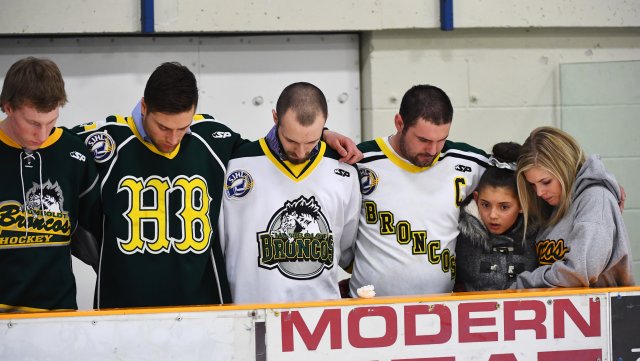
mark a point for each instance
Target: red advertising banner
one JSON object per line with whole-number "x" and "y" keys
{"x": 573, "y": 327}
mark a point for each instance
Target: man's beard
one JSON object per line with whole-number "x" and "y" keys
{"x": 417, "y": 159}
{"x": 293, "y": 160}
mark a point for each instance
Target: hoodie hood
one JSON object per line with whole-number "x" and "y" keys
{"x": 471, "y": 226}
{"x": 589, "y": 246}
{"x": 593, "y": 172}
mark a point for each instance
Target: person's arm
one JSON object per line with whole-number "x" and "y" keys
{"x": 581, "y": 265}
{"x": 352, "y": 217}
{"x": 343, "y": 145}
{"x": 589, "y": 244}
{"x": 84, "y": 242}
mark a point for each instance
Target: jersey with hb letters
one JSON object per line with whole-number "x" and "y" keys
{"x": 409, "y": 219}
{"x": 45, "y": 196}
{"x": 160, "y": 242}
{"x": 288, "y": 228}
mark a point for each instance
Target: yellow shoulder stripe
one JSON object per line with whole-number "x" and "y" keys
{"x": 90, "y": 126}
{"x": 120, "y": 119}
{"x": 401, "y": 162}
{"x": 129, "y": 121}
{"x": 297, "y": 172}
{"x": 53, "y": 137}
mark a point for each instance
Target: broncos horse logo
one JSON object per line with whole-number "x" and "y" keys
{"x": 48, "y": 197}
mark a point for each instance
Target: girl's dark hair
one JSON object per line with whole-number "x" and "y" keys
{"x": 505, "y": 152}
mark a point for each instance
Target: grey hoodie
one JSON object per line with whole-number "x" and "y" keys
{"x": 589, "y": 246}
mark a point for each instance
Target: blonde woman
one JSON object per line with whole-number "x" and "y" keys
{"x": 583, "y": 241}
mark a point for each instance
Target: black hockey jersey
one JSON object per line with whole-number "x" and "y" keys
{"x": 160, "y": 244}
{"x": 44, "y": 195}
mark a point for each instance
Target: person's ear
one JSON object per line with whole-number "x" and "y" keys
{"x": 399, "y": 123}
{"x": 275, "y": 116}
{"x": 143, "y": 106}
{"x": 8, "y": 109}
{"x": 475, "y": 196}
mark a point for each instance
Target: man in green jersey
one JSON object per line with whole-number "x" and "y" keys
{"x": 48, "y": 192}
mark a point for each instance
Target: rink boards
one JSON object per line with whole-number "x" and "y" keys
{"x": 561, "y": 324}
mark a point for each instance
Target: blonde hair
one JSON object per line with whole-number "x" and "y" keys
{"x": 558, "y": 153}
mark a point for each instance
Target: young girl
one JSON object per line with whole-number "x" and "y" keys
{"x": 584, "y": 242}
{"x": 491, "y": 250}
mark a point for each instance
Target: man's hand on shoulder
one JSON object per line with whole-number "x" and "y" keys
{"x": 344, "y": 146}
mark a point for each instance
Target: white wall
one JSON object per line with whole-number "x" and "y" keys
{"x": 502, "y": 82}
{"x": 601, "y": 107}
{"x": 107, "y": 75}
{"x": 123, "y": 16}
{"x": 69, "y": 16}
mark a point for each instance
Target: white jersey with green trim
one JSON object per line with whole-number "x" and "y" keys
{"x": 287, "y": 229}
{"x": 409, "y": 219}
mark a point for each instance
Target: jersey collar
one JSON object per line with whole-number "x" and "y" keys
{"x": 56, "y": 133}
{"x": 396, "y": 159}
{"x": 296, "y": 172}
{"x": 135, "y": 124}
{"x": 136, "y": 114}
{"x": 276, "y": 147}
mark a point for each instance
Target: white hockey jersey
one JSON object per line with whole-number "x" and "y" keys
{"x": 286, "y": 231}
{"x": 409, "y": 220}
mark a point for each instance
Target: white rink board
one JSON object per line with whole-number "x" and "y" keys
{"x": 542, "y": 328}
{"x": 223, "y": 335}
{"x": 544, "y": 325}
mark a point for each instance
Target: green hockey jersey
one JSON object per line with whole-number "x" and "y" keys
{"x": 44, "y": 195}
{"x": 160, "y": 244}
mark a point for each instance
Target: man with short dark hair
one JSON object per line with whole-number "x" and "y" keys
{"x": 290, "y": 207}
{"x": 162, "y": 171}
{"x": 412, "y": 184}
{"x": 49, "y": 192}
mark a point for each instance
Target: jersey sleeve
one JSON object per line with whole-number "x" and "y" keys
{"x": 84, "y": 243}
{"x": 350, "y": 231}
{"x": 85, "y": 129}
{"x": 222, "y": 235}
